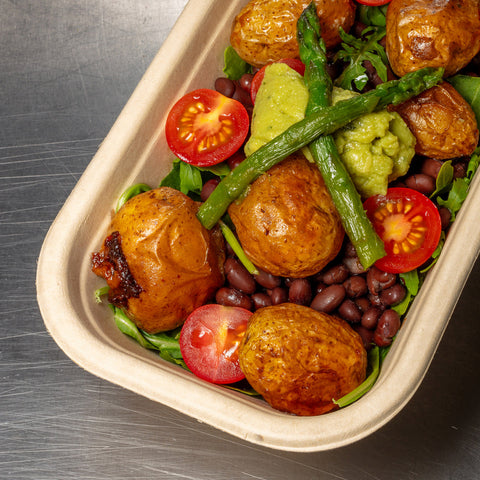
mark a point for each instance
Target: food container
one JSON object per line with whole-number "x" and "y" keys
{"x": 135, "y": 151}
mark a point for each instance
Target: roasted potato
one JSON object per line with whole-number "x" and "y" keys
{"x": 266, "y": 30}
{"x": 432, "y": 33}
{"x": 299, "y": 359}
{"x": 443, "y": 123}
{"x": 159, "y": 261}
{"x": 287, "y": 222}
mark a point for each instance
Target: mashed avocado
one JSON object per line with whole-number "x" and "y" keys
{"x": 376, "y": 148}
{"x": 280, "y": 102}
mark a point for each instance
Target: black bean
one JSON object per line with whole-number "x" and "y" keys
{"x": 225, "y": 86}
{"x": 242, "y": 96}
{"x": 246, "y": 81}
{"x": 431, "y": 166}
{"x": 279, "y": 295}
{"x": 236, "y": 159}
{"x": 363, "y": 303}
{"x": 349, "y": 311}
{"x": 329, "y": 298}
{"x": 208, "y": 187}
{"x": 393, "y": 295}
{"x": 375, "y": 300}
{"x": 239, "y": 277}
{"x": 366, "y": 336}
{"x": 421, "y": 183}
{"x": 445, "y": 217}
{"x": 300, "y": 292}
{"x": 387, "y": 328}
{"x": 319, "y": 286}
{"x": 230, "y": 297}
{"x": 377, "y": 280}
{"x": 267, "y": 280}
{"x": 355, "y": 286}
{"x": 335, "y": 274}
{"x": 350, "y": 250}
{"x": 353, "y": 264}
{"x": 370, "y": 317}
{"x": 459, "y": 170}
{"x": 261, "y": 300}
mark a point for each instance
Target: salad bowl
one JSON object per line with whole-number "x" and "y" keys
{"x": 135, "y": 151}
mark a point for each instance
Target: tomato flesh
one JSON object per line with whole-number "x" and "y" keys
{"x": 294, "y": 63}
{"x": 409, "y": 225}
{"x": 204, "y": 127}
{"x": 373, "y": 3}
{"x": 209, "y": 342}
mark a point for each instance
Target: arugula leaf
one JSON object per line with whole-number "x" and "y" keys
{"x": 411, "y": 281}
{"x": 456, "y": 196}
{"x": 460, "y": 186}
{"x": 126, "y": 326}
{"x": 232, "y": 240}
{"x": 469, "y": 88}
{"x": 374, "y": 365}
{"x": 444, "y": 179}
{"x": 190, "y": 179}
{"x": 131, "y": 192}
{"x": 356, "y": 51}
{"x": 234, "y": 66}
{"x": 166, "y": 343}
{"x": 100, "y": 292}
{"x": 375, "y": 16}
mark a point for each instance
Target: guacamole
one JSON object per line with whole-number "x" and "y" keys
{"x": 376, "y": 148}
{"x": 280, "y": 102}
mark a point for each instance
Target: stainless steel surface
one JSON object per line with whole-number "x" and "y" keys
{"x": 66, "y": 70}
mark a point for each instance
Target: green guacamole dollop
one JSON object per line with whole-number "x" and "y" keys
{"x": 376, "y": 148}
{"x": 280, "y": 102}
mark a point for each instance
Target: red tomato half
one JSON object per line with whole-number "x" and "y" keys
{"x": 209, "y": 342}
{"x": 204, "y": 127}
{"x": 294, "y": 63}
{"x": 373, "y": 3}
{"x": 408, "y": 223}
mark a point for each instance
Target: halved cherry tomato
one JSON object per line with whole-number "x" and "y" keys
{"x": 209, "y": 342}
{"x": 204, "y": 127}
{"x": 294, "y": 63}
{"x": 409, "y": 224}
{"x": 373, "y": 3}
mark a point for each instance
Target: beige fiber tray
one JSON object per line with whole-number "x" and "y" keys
{"x": 135, "y": 151}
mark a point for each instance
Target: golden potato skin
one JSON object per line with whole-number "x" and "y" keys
{"x": 432, "y": 33}
{"x": 299, "y": 359}
{"x": 177, "y": 263}
{"x": 442, "y": 121}
{"x": 287, "y": 223}
{"x": 266, "y": 30}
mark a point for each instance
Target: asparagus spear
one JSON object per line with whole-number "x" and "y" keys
{"x": 349, "y": 205}
{"x": 300, "y": 134}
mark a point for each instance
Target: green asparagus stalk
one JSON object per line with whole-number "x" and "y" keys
{"x": 300, "y": 134}
{"x": 324, "y": 151}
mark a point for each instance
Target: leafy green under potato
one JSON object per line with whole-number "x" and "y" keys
{"x": 355, "y": 51}
{"x": 468, "y": 87}
{"x": 234, "y": 66}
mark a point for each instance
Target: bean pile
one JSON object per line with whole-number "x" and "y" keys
{"x": 345, "y": 289}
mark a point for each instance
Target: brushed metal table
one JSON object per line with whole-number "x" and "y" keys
{"x": 67, "y": 67}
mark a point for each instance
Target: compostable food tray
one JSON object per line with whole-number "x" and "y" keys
{"x": 135, "y": 151}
